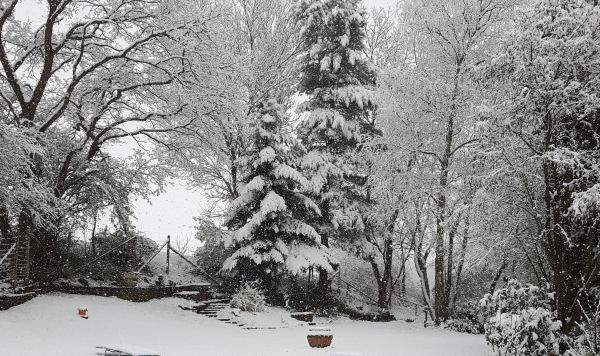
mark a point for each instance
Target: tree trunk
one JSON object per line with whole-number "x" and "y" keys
{"x": 323, "y": 285}
{"x": 497, "y": 277}
{"x": 461, "y": 262}
{"x": 384, "y": 280}
{"x": 5, "y": 231}
{"x": 403, "y": 283}
{"x": 441, "y": 300}
{"x": 421, "y": 268}
{"x": 93, "y": 237}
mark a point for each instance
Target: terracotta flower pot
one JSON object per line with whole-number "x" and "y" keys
{"x": 319, "y": 337}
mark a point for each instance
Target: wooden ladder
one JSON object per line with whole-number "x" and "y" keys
{"x": 21, "y": 259}
{"x": 7, "y": 256}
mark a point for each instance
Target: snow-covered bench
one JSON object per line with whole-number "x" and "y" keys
{"x": 125, "y": 350}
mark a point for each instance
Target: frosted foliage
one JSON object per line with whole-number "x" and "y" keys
{"x": 520, "y": 321}
{"x": 267, "y": 119}
{"x": 302, "y": 256}
{"x": 266, "y": 134}
{"x": 322, "y": 169}
{"x": 586, "y": 202}
{"x": 330, "y": 12}
{"x": 249, "y": 298}
{"x": 352, "y": 94}
{"x": 325, "y": 63}
{"x": 266, "y": 155}
{"x": 281, "y": 246}
{"x": 239, "y": 203}
{"x": 256, "y": 184}
{"x": 563, "y": 73}
{"x": 272, "y": 203}
{"x": 309, "y": 204}
{"x": 298, "y": 228}
{"x": 258, "y": 252}
{"x": 337, "y": 62}
{"x": 283, "y": 171}
{"x": 333, "y": 32}
{"x": 347, "y": 217}
{"x": 587, "y": 169}
{"x": 331, "y": 122}
{"x": 344, "y": 40}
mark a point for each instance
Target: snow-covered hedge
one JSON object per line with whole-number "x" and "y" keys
{"x": 587, "y": 340}
{"x": 249, "y": 298}
{"x": 519, "y": 321}
{"x": 465, "y": 326}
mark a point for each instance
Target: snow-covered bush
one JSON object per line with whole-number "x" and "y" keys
{"x": 249, "y": 298}
{"x": 587, "y": 342}
{"x": 519, "y": 321}
{"x": 465, "y": 326}
{"x": 466, "y": 318}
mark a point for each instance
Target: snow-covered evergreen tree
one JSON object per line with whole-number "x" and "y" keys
{"x": 339, "y": 113}
{"x": 269, "y": 217}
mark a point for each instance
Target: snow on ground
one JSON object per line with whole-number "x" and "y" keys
{"x": 49, "y": 325}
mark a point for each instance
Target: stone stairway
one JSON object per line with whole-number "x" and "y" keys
{"x": 213, "y": 308}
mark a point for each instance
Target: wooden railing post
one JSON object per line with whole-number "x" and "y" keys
{"x": 168, "y": 251}
{"x": 340, "y": 282}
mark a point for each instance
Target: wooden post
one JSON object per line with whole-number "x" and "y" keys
{"x": 168, "y": 251}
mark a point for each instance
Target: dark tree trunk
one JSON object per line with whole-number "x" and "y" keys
{"x": 497, "y": 277}
{"x": 324, "y": 284}
{"x": 384, "y": 280}
{"x": 5, "y": 230}
{"x": 93, "y": 237}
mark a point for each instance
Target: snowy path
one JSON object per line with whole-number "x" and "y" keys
{"x": 49, "y": 325}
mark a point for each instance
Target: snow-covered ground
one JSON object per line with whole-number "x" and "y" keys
{"x": 49, "y": 325}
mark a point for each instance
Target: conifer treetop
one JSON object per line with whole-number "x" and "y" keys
{"x": 335, "y": 73}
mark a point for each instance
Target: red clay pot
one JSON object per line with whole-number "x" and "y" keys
{"x": 319, "y": 336}
{"x": 319, "y": 340}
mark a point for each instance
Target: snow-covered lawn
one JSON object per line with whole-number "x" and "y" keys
{"x": 49, "y": 325}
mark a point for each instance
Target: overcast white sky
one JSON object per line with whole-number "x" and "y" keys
{"x": 172, "y": 212}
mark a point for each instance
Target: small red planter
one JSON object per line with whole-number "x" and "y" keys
{"x": 319, "y": 337}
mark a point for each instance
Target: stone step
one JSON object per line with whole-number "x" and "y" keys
{"x": 259, "y": 328}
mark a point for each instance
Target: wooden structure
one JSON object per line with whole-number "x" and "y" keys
{"x": 14, "y": 259}
{"x": 170, "y": 248}
{"x": 125, "y": 350}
